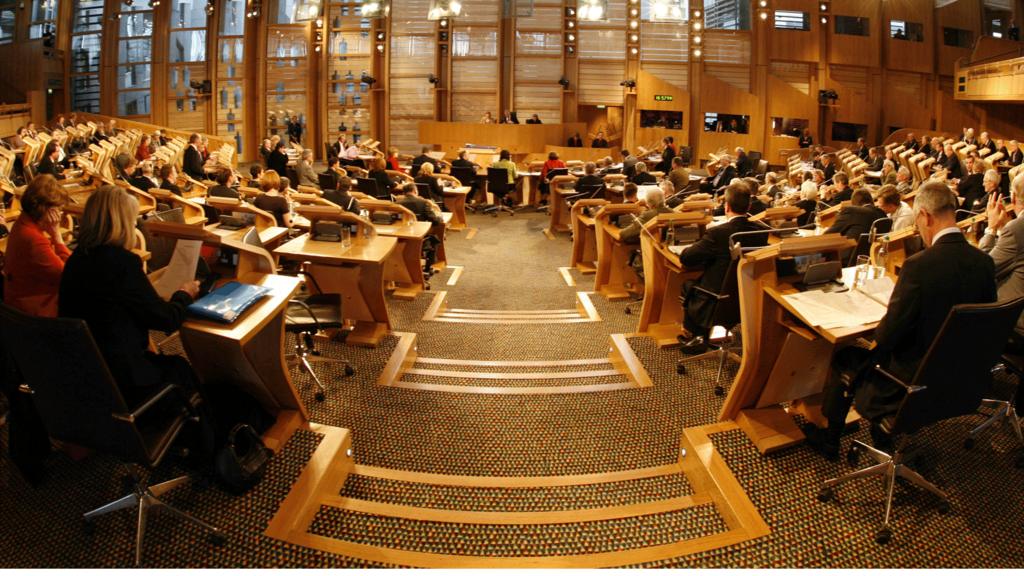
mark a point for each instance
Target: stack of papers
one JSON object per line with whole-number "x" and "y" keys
{"x": 836, "y": 309}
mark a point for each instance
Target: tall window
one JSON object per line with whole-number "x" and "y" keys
{"x": 412, "y": 61}
{"x": 229, "y": 98}
{"x": 790, "y": 20}
{"x": 7, "y": 9}
{"x": 44, "y": 18}
{"x": 349, "y": 52}
{"x": 727, "y": 14}
{"x": 134, "y": 58}
{"x": 86, "y": 32}
{"x": 187, "y": 65}
{"x": 287, "y": 70}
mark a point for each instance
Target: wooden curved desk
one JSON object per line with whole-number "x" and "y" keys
{"x": 584, "y": 236}
{"x": 614, "y": 279}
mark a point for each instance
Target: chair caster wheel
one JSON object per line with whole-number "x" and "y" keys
{"x": 320, "y": 396}
{"x": 719, "y": 391}
{"x": 349, "y": 370}
{"x": 944, "y": 507}
{"x": 853, "y": 456}
{"x": 217, "y": 539}
{"x": 825, "y": 494}
{"x": 680, "y": 369}
{"x": 968, "y": 443}
{"x": 883, "y": 536}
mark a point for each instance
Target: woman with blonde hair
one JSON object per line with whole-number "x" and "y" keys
{"x": 426, "y": 176}
{"x": 105, "y": 285}
{"x": 272, "y": 200}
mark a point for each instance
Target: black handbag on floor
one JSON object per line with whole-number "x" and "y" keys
{"x": 242, "y": 462}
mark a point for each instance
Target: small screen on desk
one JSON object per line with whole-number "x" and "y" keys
{"x": 247, "y": 217}
{"x": 797, "y": 265}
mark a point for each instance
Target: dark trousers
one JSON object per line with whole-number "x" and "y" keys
{"x": 852, "y": 379}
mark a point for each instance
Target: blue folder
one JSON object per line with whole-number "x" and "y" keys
{"x": 227, "y": 303}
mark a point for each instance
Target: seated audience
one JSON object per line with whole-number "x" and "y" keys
{"x": 255, "y": 171}
{"x": 641, "y": 176}
{"x": 654, "y": 201}
{"x": 723, "y": 176}
{"x": 143, "y": 177}
{"x": 418, "y": 161}
{"x": 49, "y": 165}
{"x": 973, "y": 187}
{"x": 225, "y": 179}
{"x": 951, "y": 162}
{"x": 380, "y": 175}
{"x": 839, "y": 191}
{"x": 575, "y": 141}
{"x": 393, "y": 161}
{"x": 856, "y": 219}
{"x": 278, "y": 159}
{"x": 409, "y": 198}
{"x": 888, "y": 200}
{"x": 461, "y": 162}
{"x": 304, "y": 169}
{"x": 340, "y": 197}
{"x": 505, "y": 162}
{"x": 35, "y": 254}
{"x": 679, "y": 176}
{"x": 904, "y": 182}
{"x": 948, "y": 272}
{"x": 143, "y": 152}
{"x": 550, "y": 164}
{"x": 1014, "y": 156}
{"x": 169, "y": 179}
{"x": 192, "y": 163}
{"x": 743, "y": 164}
{"x": 861, "y": 149}
{"x": 426, "y": 176}
{"x": 272, "y": 199}
{"x": 808, "y": 202}
{"x": 888, "y": 173}
{"x": 265, "y": 149}
{"x": 590, "y": 180}
{"x": 1003, "y": 242}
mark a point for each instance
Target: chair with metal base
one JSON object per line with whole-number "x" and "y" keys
{"x": 80, "y": 403}
{"x": 307, "y": 316}
{"x": 1002, "y": 410}
{"x": 497, "y": 185}
{"x": 951, "y": 381}
{"x": 726, "y": 314}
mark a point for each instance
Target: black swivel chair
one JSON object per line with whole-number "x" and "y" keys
{"x": 951, "y": 381}
{"x": 467, "y": 177}
{"x": 371, "y": 188}
{"x": 1003, "y": 410}
{"x": 80, "y": 403}
{"x": 497, "y": 184}
{"x": 304, "y": 317}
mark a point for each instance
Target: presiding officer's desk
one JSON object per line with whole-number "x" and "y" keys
{"x": 404, "y": 270}
{"x": 661, "y": 316}
{"x": 356, "y": 272}
{"x": 614, "y": 279}
{"x": 784, "y": 358}
{"x": 584, "y": 236}
{"x": 249, "y": 352}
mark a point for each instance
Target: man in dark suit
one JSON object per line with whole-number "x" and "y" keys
{"x": 840, "y": 190}
{"x": 410, "y": 199}
{"x": 973, "y": 187}
{"x": 48, "y": 165}
{"x": 667, "y": 154}
{"x": 590, "y": 180}
{"x": 951, "y": 163}
{"x": 726, "y": 172}
{"x": 713, "y": 253}
{"x": 856, "y": 219}
{"x": 461, "y": 161}
{"x": 418, "y": 161}
{"x": 828, "y": 167}
{"x": 192, "y": 163}
{"x": 340, "y": 196}
{"x": 743, "y": 164}
{"x": 277, "y": 161}
{"x": 949, "y": 272}
{"x": 861, "y": 149}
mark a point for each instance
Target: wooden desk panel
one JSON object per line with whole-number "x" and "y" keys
{"x": 455, "y": 201}
{"x": 614, "y": 279}
{"x": 357, "y": 273}
{"x": 584, "y": 236}
{"x": 403, "y": 266}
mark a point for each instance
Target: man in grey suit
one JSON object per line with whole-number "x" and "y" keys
{"x": 1004, "y": 242}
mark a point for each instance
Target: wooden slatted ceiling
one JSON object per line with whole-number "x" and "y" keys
{"x": 736, "y": 76}
{"x": 796, "y": 74}
{"x": 725, "y": 47}
{"x": 599, "y": 82}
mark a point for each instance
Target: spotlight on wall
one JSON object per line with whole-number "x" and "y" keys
{"x": 433, "y": 80}
{"x": 828, "y": 96}
{"x": 210, "y": 7}
{"x": 367, "y": 79}
{"x": 628, "y": 83}
{"x": 564, "y": 82}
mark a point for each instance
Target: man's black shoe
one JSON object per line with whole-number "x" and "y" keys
{"x": 695, "y": 345}
{"x": 818, "y": 440}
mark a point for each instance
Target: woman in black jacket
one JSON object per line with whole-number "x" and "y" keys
{"x": 278, "y": 159}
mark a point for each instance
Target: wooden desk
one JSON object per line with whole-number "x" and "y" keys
{"x": 269, "y": 237}
{"x": 559, "y": 188}
{"x": 661, "y": 316}
{"x": 450, "y": 137}
{"x": 455, "y": 201}
{"x": 614, "y": 279}
{"x": 784, "y": 358}
{"x": 404, "y": 268}
{"x": 584, "y": 236}
{"x": 355, "y": 272}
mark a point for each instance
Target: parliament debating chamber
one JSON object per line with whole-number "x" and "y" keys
{"x": 511, "y": 284}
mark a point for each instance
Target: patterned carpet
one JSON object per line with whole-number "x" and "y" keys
{"x": 511, "y": 265}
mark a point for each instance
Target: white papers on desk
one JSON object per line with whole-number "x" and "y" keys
{"x": 180, "y": 269}
{"x": 878, "y": 289}
{"x": 836, "y": 309}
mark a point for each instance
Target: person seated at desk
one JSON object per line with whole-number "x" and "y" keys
{"x": 599, "y": 141}
{"x": 169, "y": 179}
{"x": 143, "y": 177}
{"x": 18, "y": 142}
{"x": 743, "y": 164}
{"x": 461, "y": 162}
{"x": 36, "y": 251}
{"x": 726, "y": 172}
{"x": 278, "y": 159}
{"x": 628, "y": 163}
{"x": 856, "y": 218}
{"x": 272, "y": 199}
{"x": 330, "y": 174}
{"x": 756, "y": 205}
{"x": 654, "y": 201}
{"x": 255, "y": 171}
{"x": 808, "y": 202}
{"x": 904, "y": 183}
{"x": 487, "y": 118}
{"x": 534, "y": 119}
{"x": 629, "y": 194}
{"x": 510, "y": 118}
{"x": 911, "y": 143}
{"x": 968, "y": 137}
{"x": 550, "y": 164}
{"x": 839, "y": 191}
{"x": 225, "y": 179}
{"x": 861, "y": 149}
{"x": 772, "y": 188}
{"x": 337, "y": 149}
{"x": 887, "y": 199}
{"x": 575, "y": 141}
{"x": 679, "y": 176}
{"x": 1004, "y": 243}
{"x": 948, "y": 272}
{"x": 888, "y": 172}
{"x": 590, "y": 180}
{"x": 304, "y": 169}
{"x": 340, "y": 197}
{"x": 951, "y": 162}
{"x": 393, "y": 162}
{"x": 505, "y": 162}
{"x": 641, "y": 176}
{"x": 875, "y": 158}
{"x": 265, "y": 149}
{"x": 380, "y": 175}
{"x": 143, "y": 152}
{"x": 713, "y": 253}
{"x": 828, "y": 166}
{"x": 418, "y": 161}
{"x": 973, "y": 187}
{"x": 409, "y": 198}
{"x": 49, "y": 165}
{"x": 426, "y": 176}
{"x": 1013, "y": 155}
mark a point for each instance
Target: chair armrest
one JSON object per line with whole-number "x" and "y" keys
{"x": 152, "y": 401}
{"x": 308, "y": 309}
{"x": 894, "y": 379}
{"x": 714, "y": 295}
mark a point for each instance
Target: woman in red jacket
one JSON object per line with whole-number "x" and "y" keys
{"x": 35, "y": 250}
{"x": 143, "y": 153}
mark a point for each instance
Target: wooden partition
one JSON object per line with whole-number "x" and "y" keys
{"x": 517, "y": 138}
{"x": 215, "y": 141}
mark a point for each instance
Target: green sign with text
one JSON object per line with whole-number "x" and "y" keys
{"x": 662, "y": 97}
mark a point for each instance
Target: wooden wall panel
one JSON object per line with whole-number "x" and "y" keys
{"x": 648, "y": 86}
{"x": 962, "y": 15}
{"x": 785, "y": 101}
{"x": 857, "y": 50}
{"x": 795, "y": 45}
{"x": 909, "y": 55}
{"x": 720, "y": 97}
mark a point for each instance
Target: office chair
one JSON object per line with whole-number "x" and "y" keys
{"x": 467, "y": 177}
{"x": 371, "y": 188}
{"x": 80, "y": 403}
{"x": 1002, "y": 410}
{"x": 497, "y": 184}
{"x": 304, "y": 317}
{"x": 950, "y": 382}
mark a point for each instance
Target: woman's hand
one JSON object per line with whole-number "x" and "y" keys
{"x": 51, "y": 224}
{"x": 191, "y": 288}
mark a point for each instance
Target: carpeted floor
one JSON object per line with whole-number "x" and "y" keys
{"x": 511, "y": 265}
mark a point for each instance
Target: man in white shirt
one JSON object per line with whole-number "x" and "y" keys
{"x": 888, "y": 200}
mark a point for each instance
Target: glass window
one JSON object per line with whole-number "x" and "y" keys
{"x": 188, "y": 14}
{"x": 853, "y": 25}
{"x": 788, "y": 20}
{"x": 189, "y": 46}
{"x": 661, "y": 119}
{"x": 734, "y": 123}
{"x": 847, "y": 132}
{"x": 85, "y": 93}
{"x": 137, "y": 25}
{"x": 727, "y": 14}
{"x": 85, "y": 53}
{"x": 232, "y": 22}
{"x": 43, "y": 18}
{"x": 789, "y": 126}
{"x": 229, "y": 105}
{"x": 88, "y": 16}
{"x": 665, "y": 10}
{"x": 133, "y": 76}
{"x": 129, "y": 51}
{"x": 902, "y": 30}
{"x": 957, "y": 37}
{"x": 6, "y": 24}
{"x": 134, "y": 103}
{"x": 86, "y": 39}
{"x": 134, "y": 53}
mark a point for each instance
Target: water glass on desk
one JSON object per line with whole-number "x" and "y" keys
{"x": 346, "y": 237}
{"x": 865, "y": 271}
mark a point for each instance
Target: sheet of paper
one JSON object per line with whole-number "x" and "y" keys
{"x": 180, "y": 269}
{"x": 878, "y": 289}
{"x": 836, "y": 309}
